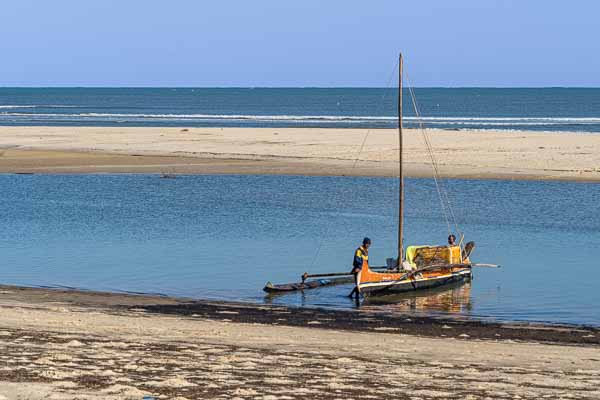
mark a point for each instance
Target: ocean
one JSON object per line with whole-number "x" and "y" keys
{"x": 539, "y": 109}
{"x": 223, "y": 237}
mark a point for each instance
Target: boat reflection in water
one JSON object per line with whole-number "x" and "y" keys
{"x": 453, "y": 298}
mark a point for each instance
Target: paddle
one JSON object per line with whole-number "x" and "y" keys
{"x": 430, "y": 267}
{"x": 410, "y": 274}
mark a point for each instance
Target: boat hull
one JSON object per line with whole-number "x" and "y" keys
{"x": 390, "y": 286}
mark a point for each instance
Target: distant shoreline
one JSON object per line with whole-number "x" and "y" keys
{"x": 465, "y": 154}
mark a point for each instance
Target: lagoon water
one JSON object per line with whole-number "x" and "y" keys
{"x": 223, "y": 237}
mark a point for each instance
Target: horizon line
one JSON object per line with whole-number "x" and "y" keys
{"x": 291, "y": 87}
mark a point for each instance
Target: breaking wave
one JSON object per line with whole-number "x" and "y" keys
{"x": 18, "y": 106}
{"x": 17, "y": 114}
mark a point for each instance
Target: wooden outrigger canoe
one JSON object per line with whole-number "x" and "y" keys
{"x": 420, "y": 267}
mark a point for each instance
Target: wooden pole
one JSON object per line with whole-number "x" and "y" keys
{"x": 306, "y": 275}
{"x": 401, "y": 189}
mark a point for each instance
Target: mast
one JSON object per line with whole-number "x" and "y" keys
{"x": 401, "y": 175}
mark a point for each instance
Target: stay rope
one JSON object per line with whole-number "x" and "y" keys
{"x": 360, "y": 149}
{"x": 442, "y": 191}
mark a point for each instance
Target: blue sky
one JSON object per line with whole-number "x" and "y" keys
{"x": 298, "y": 43}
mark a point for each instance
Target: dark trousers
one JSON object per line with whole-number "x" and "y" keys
{"x": 355, "y": 272}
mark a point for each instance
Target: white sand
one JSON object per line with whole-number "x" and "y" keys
{"x": 128, "y": 356}
{"x": 311, "y": 151}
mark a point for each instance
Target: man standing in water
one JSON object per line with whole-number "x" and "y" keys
{"x": 360, "y": 256}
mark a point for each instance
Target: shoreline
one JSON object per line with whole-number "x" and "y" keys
{"x": 93, "y": 163}
{"x": 354, "y": 320}
{"x": 74, "y": 344}
{"x": 514, "y": 155}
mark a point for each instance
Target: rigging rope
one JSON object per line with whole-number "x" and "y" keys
{"x": 360, "y": 149}
{"x": 439, "y": 182}
{"x": 441, "y": 189}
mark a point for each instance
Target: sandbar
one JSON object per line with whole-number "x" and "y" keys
{"x": 567, "y": 156}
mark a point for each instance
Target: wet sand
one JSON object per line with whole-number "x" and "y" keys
{"x": 70, "y": 344}
{"x": 303, "y": 151}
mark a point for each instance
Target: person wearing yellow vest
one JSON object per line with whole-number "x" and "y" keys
{"x": 361, "y": 255}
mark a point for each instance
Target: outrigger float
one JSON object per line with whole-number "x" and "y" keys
{"x": 344, "y": 278}
{"x": 420, "y": 267}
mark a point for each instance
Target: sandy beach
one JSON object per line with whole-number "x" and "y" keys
{"x": 72, "y": 345}
{"x": 307, "y": 151}
{"x": 68, "y": 344}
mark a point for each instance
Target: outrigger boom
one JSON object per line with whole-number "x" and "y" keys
{"x": 336, "y": 278}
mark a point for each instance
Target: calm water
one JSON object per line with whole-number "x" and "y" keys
{"x": 552, "y": 109}
{"x": 223, "y": 237}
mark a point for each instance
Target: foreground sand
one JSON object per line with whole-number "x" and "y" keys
{"x": 462, "y": 154}
{"x": 67, "y": 345}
